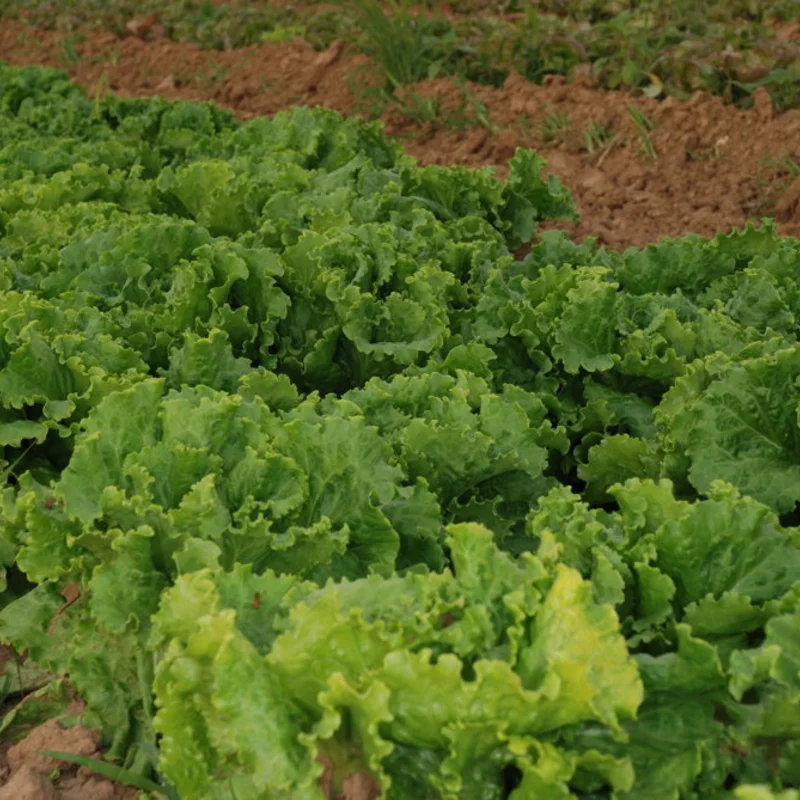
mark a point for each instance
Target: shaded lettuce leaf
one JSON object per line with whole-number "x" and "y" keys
{"x": 614, "y": 460}
{"x": 457, "y": 435}
{"x": 675, "y": 734}
{"x": 728, "y": 543}
{"x": 731, "y": 421}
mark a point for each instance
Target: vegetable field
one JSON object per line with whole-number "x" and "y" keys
{"x": 330, "y": 475}
{"x": 704, "y": 138}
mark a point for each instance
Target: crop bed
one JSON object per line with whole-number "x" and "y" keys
{"x": 315, "y": 489}
{"x": 331, "y": 470}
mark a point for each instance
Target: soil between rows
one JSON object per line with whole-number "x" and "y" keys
{"x": 703, "y": 168}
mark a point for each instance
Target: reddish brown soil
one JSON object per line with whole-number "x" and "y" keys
{"x": 711, "y": 170}
{"x": 26, "y": 775}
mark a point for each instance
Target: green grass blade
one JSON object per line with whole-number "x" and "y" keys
{"x": 111, "y": 771}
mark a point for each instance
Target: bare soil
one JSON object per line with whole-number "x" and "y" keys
{"x": 704, "y": 168}
{"x": 27, "y": 775}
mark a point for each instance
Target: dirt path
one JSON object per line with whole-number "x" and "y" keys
{"x": 703, "y": 168}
